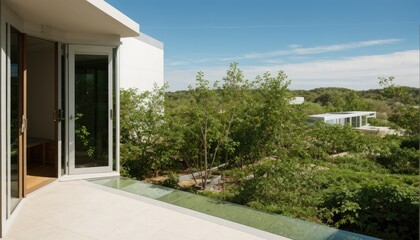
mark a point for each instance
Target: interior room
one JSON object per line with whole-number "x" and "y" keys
{"x": 42, "y": 151}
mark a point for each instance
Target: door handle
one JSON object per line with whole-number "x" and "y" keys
{"x": 24, "y": 124}
{"x": 60, "y": 115}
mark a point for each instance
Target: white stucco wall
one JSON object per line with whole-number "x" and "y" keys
{"x": 141, "y": 63}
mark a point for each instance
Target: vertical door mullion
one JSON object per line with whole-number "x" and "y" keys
{"x": 24, "y": 81}
{"x": 71, "y": 110}
{"x": 57, "y": 104}
{"x": 59, "y": 107}
{"x": 110, "y": 110}
{"x": 67, "y": 109}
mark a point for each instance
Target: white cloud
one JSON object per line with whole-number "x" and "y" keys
{"x": 273, "y": 61}
{"x": 295, "y": 46}
{"x": 298, "y": 50}
{"x": 359, "y": 72}
{"x": 176, "y": 63}
{"x": 346, "y": 46}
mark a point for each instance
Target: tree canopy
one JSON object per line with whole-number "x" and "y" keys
{"x": 265, "y": 154}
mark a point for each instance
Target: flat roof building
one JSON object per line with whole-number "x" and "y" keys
{"x": 297, "y": 100}
{"x": 356, "y": 119}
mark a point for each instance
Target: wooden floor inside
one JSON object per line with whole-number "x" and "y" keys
{"x": 40, "y": 176}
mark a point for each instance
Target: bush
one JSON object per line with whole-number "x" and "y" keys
{"x": 358, "y": 163}
{"x": 284, "y": 186}
{"x": 387, "y": 209}
{"x": 380, "y": 122}
{"x": 410, "y": 142}
{"x": 399, "y": 154}
{"x": 171, "y": 181}
{"x": 401, "y": 160}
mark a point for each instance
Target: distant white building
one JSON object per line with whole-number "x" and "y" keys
{"x": 297, "y": 100}
{"x": 356, "y": 119}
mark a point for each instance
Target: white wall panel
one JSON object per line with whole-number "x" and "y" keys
{"x": 141, "y": 63}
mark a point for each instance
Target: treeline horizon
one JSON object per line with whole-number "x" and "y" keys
{"x": 413, "y": 91}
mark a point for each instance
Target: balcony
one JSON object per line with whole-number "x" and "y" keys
{"x": 120, "y": 208}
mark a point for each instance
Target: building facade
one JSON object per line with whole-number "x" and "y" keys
{"x": 61, "y": 66}
{"x": 356, "y": 119}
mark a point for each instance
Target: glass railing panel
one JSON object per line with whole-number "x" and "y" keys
{"x": 269, "y": 222}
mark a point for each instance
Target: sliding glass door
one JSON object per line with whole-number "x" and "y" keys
{"x": 90, "y": 109}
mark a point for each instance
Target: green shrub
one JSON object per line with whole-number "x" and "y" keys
{"x": 358, "y": 163}
{"x": 284, "y": 186}
{"x": 334, "y": 138}
{"x": 387, "y": 209}
{"x": 401, "y": 160}
{"x": 410, "y": 142}
{"x": 171, "y": 181}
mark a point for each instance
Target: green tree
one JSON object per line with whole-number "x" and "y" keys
{"x": 405, "y": 112}
{"x": 313, "y": 108}
{"x": 144, "y": 132}
{"x": 334, "y": 138}
{"x": 237, "y": 122}
{"x": 268, "y": 124}
{"x": 207, "y": 121}
{"x": 342, "y": 100}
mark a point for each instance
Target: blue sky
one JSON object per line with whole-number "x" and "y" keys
{"x": 322, "y": 43}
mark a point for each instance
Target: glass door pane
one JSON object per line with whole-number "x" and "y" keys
{"x": 14, "y": 116}
{"x": 91, "y": 111}
{"x": 91, "y": 106}
{"x": 62, "y": 97}
{"x": 17, "y": 124}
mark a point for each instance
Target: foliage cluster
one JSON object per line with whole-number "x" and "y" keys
{"x": 386, "y": 209}
{"x": 273, "y": 160}
{"x": 237, "y": 122}
{"x": 356, "y": 192}
{"x": 144, "y": 133}
{"x": 406, "y": 112}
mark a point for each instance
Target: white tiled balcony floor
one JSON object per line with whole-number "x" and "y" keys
{"x": 78, "y": 210}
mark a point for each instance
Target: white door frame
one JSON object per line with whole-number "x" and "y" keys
{"x": 88, "y": 50}
{"x": 60, "y": 114}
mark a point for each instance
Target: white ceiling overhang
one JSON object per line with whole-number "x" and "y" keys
{"x": 76, "y": 16}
